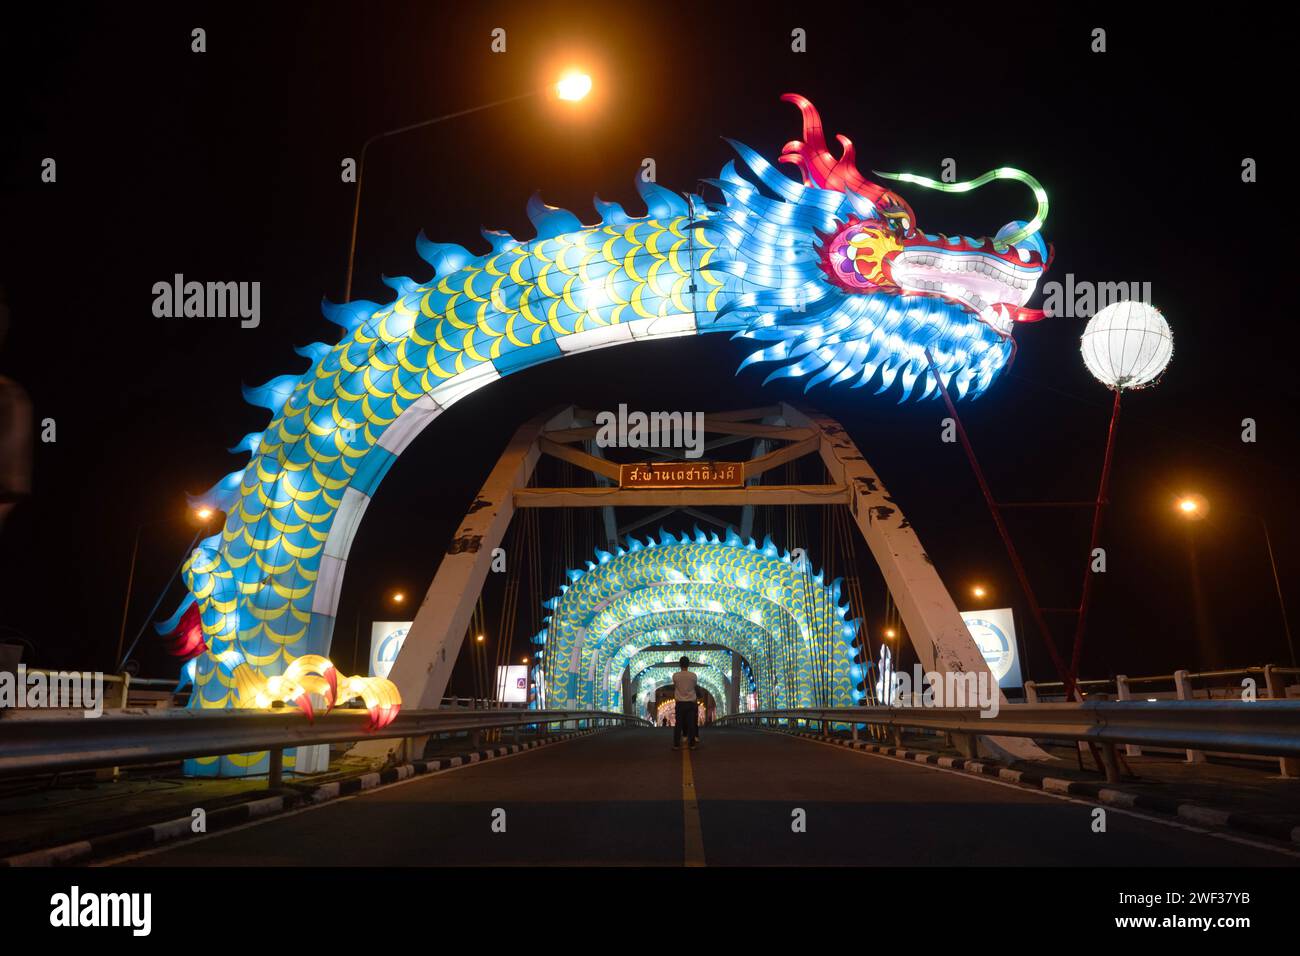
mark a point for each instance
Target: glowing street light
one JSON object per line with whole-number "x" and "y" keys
{"x": 890, "y": 633}
{"x": 1192, "y": 507}
{"x": 398, "y": 597}
{"x": 201, "y": 515}
{"x": 573, "y": 86}
{"x": 979, "y": 591}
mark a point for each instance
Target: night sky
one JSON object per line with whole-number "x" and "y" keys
{"x": 226, "y": 166}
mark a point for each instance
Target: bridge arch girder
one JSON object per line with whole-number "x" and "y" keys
{"x": 929, "y": 614}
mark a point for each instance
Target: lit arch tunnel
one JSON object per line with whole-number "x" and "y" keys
{"x": 712, "y": 598}
{"x": 652, "y": 669}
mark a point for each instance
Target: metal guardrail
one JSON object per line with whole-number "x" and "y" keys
{"x": 1269, "y": 727}
{"x": 34, "y": 745}
{"x": 481, "y": 703}
{"x": 1183, "y": 682}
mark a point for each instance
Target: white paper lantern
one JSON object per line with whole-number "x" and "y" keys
{"x": 1127, "y": 345}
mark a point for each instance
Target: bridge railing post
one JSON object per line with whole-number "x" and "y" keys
{"x": 1183, "y": 685}
{"x": 1110, "y": 762}
{"x": 1123, "y": 692}
{"x": 1031, "y": 692}
{"x": 967, "y": 745}
{"x": 275, "y": 770}
{"x": 1273, "y": 683}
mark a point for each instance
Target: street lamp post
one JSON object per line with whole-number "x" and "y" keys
{"x": 204, "y": 515}
{"x": 571, "y": 87}
{"x": 1194, "y": 507}
{"x": 480, "y": 669}
{"x": 397, "y": 598}
{"x": 130, "y": 584}
{"x": 1277, "y": 584}
{"x": 361, "y": 167}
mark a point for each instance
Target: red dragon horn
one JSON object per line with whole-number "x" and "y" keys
{"x": 819, "y": 168}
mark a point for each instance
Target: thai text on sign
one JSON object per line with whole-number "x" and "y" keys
{"x": 682, "y": 474}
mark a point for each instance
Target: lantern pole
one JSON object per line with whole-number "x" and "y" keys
{"x": 1102, "y": 488}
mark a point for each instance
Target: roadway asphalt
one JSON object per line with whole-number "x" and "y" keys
{"x": 618, "y": 798}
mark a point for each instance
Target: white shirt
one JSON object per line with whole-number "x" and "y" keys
{"x": 684, "y": 686}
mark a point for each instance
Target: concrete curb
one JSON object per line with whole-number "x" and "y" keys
{"x": 1285, "y": 831}
{"x": 224, "y": 818}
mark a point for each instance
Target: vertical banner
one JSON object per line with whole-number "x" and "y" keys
{"x": 885, "y": 682}
{"x": 512, "y": 684}
{"x": 994, "y": 633}
{"x": 386, "y": 639}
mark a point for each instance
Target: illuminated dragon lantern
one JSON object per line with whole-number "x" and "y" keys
{"x": 831, "y": 277}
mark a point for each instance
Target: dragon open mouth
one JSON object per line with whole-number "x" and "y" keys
{"x": 989, "y": 285}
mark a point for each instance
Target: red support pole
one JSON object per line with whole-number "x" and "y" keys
{"x": 1016, "y": 563}
{"x": 1080, "y": 627}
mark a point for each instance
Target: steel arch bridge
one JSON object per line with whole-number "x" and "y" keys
{"x": 727, "y": 589}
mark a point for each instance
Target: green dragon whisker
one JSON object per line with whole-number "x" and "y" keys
{"x": 1002, "y": 172}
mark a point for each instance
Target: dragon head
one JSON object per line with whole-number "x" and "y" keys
{"x": 861, "y": 288}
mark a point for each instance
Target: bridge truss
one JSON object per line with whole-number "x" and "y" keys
{"x": 774, "y": 436}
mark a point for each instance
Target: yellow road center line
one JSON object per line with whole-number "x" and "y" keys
{"x": 691, "y": 814}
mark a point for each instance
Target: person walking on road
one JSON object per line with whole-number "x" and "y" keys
{"x": 687, "y": 706}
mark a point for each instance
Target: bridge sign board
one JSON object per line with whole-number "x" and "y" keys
{"x": 682, "y": 474}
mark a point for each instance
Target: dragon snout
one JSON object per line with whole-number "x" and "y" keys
{"x": 1027, "y": 247}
